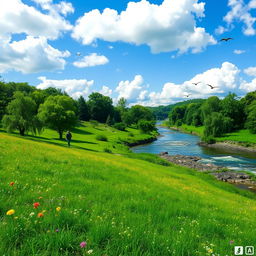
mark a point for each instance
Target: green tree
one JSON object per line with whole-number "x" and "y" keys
{"x": 100, "y": 107}
{"x": 216, "y": 124}
{"x": 251, "y": 119}
{"x": 21, "y": 115}
{"x": 177, "y": 115}
{"x": 146, "y": 126}
{"x": 83, "y": 110}
{"x": 58, "y": 113}
{"x": 137, "y": 113}
{"x": 211, "y": 105}
{"x": 234, "y": 109}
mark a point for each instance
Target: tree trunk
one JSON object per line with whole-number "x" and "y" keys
{"x": 60, "y": 135}
{"x": 22, "y": 131}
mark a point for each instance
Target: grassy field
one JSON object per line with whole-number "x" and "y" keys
{"x": 85, "y": 137}
{"x": 116, "y": 204}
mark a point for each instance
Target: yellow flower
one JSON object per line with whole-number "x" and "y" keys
{"x": 58, "y": 209}
{"x": 10, "y": 212}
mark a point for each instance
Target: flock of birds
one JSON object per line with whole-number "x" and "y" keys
{"x": 211, "y": 86}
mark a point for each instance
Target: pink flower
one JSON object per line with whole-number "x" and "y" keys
{"x": 83, "y": 244}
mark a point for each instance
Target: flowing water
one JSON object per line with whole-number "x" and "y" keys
{"x": 175, "y": 142}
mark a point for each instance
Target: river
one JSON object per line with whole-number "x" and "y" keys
{"x": 175, "y": 142}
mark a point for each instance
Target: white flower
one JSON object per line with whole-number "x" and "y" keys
{"x": 90, "y": 251}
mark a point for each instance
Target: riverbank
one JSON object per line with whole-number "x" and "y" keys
{"x": 240, "y": 141}
{"x": 219, "y": 172}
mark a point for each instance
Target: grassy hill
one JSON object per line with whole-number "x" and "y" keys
{"x": 118, "y": 205}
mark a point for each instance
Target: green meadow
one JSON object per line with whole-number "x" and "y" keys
{"x": 119, "y": 203}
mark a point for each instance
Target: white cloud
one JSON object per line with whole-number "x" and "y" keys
{"x": 239, "y": 52}
{"x": 73, "y": 87}
{"x": 242, "y": 12}
{"x": 167, "y": 27}
{"x": 106, "y": 91}
{"x": 251, "y": 71}
{"x": 220, "y": 30}
{"x": 16, "y": 17}
{"x": 91, "y": 61}
{"x": 248, "y": 86}
{"x": 130, "y": 90}
{"x": 226, "y": 78}
{"x": 31, "y": 55}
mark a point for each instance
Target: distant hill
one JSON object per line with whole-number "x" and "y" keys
{"x": 161, "y": 112}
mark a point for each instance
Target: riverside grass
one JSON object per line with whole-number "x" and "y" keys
{"x": 117, "y": 205}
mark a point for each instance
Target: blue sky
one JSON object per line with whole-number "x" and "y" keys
{"x": 149, "y": 52}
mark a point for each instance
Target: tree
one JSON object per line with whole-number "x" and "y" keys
{"x": 216, "y": 124}
{"x": 251, "y": 119}
{"x": 146, "y": 126}
{"x": 232, "y": 108}
{"x": 137, "y": 112}
{"x": 177, "y": 114}
{"x": 211, "y": 105}
{"x": 100, "y": 107}
{"x": 21, "y": 115}
{"x": 83, "y": 110}
{"x": 58, "y": 113}
{"x": 109, "y": 120}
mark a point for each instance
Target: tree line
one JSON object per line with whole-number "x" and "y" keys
{"x": 218, "y": 116}
{"x": 28, "y": 109}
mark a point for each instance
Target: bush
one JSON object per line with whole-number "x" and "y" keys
{"x": 101, "y": 137}
{"x": 130, "y": 134}
{"x": 146, "y": 126}
{"x": 107, "y": 150}
{"x": 208, "y": 139}
{"x": 119, "y": 126}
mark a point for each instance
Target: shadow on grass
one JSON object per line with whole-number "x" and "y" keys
{"x": 79, "y": 131}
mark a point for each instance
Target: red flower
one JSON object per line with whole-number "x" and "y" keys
{"x": 12, "y": 183}
{"x": 36, "y": 205}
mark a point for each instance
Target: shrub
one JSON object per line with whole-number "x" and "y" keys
{"x": 146, "y": 126}
{"x": 101, "y": 137}
{"x": 119, "y": 126}
{"x": 107, "y": 150}
{"x": 130, "y": 134}
{"x": 208, "y": 139}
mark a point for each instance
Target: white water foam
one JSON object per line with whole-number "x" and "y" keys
{"x": 229, "y": 159}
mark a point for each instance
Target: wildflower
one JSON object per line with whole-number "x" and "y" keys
{"x": 16, "y": 218}
{"x": 40, "y": 197}
{"x": 31, "y": 214}
{"x": 36, "y": 205}
{"x": 83, "y": 244}
{"x": 58, "y": 209}
{"x": 40, "y": 215}
{"x": 10, "y": 212}
{"x": 90, "y": 251}
{"x": 231, "y": 241}
{"x": 57, "y": 230}
{"x": 12, "y": 183}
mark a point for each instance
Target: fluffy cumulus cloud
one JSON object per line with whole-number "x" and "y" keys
{"x": 106, "y": 91}
{"x": 34, "y": 51}
{"x": 31, "y": 55}
{"x": 73, "y": 87}
{"x": 251, "y": 71}
{"x": 131, "y": 90}
{"x": 169, "y": 26}
{"x": 91, "y": 60}
{"x": 224, "y": 79}
{"x": 242, "y": 12}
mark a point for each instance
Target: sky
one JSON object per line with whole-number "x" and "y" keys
{"x": 149, "y": 52}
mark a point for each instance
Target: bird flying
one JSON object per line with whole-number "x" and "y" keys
{"x": 78, "y": 54}
{"x": 212, "y": 87}
{"x": 226, "y": 39}
{"x": 187, "y": 95}
{"x": 196, "y": 83}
